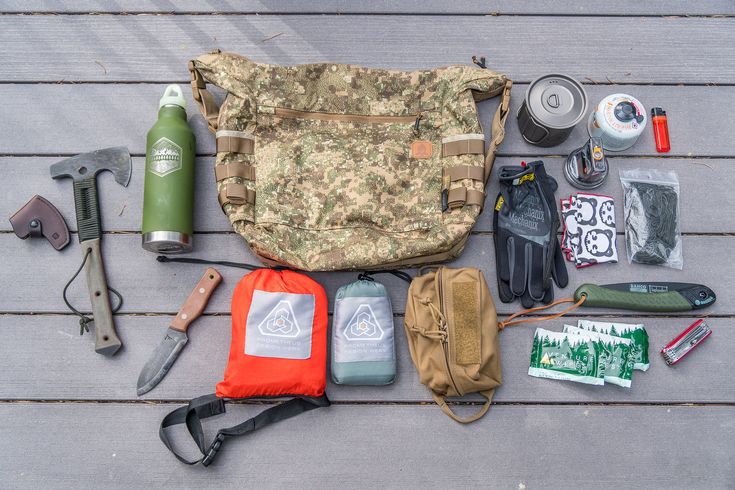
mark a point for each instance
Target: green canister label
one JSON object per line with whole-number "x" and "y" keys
{"x": 635, "y": 332}
{"x": 614, "y": 355}
{"x": 557, "y": 355}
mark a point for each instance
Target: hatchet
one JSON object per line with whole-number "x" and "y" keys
{"x": 83, "y": 169}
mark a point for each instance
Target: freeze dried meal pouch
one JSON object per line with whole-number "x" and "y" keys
{"x": 614, "y": 354}
{"x": 570, "y": 357}
{"x": 635, "y": 332}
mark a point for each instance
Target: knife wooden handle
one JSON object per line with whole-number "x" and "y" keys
{"x": 197, "y": 300}
{"x": 609, "y": 298}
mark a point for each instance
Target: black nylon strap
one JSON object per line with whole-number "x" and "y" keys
{"x": 188, "y": 260}
{"x": 367, "y": 275}
{"x": 209, "y": 405}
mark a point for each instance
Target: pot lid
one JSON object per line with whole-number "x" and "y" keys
{"x": 556, "y": 101}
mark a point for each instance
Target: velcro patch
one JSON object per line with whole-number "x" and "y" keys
{"x": 466, "y": 317}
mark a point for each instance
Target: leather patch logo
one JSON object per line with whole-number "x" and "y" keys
{"x": 421, "y": 149}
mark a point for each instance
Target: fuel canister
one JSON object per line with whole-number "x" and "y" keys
{"x": 618, "y": 120}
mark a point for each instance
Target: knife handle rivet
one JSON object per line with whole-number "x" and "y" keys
{"x": 201, "y": 290}
{"x": 184, "y": 316}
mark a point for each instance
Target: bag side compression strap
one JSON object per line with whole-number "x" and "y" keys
{"x": 498, "y": 128}
{"x": 209, "y": 405}
{"x": 204, "y": 98}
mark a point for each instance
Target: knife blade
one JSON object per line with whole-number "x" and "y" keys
{"x": 647, "y": 296}
{"x": 168, "y": 350}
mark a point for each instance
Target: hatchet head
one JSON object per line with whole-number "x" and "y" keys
{"x": 88, "y": 165}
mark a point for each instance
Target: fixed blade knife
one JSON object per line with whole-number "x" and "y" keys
{"x": 173, "y": 342}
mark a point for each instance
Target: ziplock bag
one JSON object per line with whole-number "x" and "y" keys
{"x": 652, "y": 230}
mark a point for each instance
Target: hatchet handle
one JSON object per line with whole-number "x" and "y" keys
{"x": 106, "y": 339}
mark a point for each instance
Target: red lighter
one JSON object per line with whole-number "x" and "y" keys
{"x": 660, "y": 129}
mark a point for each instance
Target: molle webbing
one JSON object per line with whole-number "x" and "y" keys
{"x": 236, "y": 194}
{"x": 462, "y": 196}
{"x": 235, "y": 142}
{"x": 463, "y": 144}
{"x": 228, "y": 170}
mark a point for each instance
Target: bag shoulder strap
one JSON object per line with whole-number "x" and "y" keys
{"x": 209, "y": 405}
{"x": 498, "y": 129}
{"x": 441, "y": 400}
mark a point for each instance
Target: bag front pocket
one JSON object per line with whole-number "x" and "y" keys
{"x": 324, "y": 171}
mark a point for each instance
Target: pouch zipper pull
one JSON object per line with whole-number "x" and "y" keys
{"x": 480, "y": 63}
{"x": 419, "y": 116}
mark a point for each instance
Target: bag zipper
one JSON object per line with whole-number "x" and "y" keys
{"x": 445, "y": 341}
{"x": 331, "y": 116}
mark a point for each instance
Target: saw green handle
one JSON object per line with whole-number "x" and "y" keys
{"x": 106, "y": 339}
{"x": 597, "y": 296}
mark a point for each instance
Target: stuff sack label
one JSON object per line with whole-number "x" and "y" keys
{"x": 165, "y": 157}
{"x": 279, "y": 325}
{"x": 363, "y": 330}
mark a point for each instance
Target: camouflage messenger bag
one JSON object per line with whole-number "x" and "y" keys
{"x": 329, "y": 167}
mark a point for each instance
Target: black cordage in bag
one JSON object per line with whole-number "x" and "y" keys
{"x": 659, "y": 204}
{"x": 652, "y": 231}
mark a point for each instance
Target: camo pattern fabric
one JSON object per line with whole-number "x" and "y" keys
{"x": 335, "y": 187}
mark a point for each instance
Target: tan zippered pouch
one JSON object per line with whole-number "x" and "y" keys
{"x": 452, "y": 333}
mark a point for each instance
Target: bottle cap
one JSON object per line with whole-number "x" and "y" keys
{"x": 657, "y": 111}
{"x": 173, "y": 96}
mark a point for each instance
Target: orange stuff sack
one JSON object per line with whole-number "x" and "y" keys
{"x": 279, "y": 337}
{"x": 278, "y": 349}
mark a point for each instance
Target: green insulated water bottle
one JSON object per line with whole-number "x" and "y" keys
{"x": 168, "y": 198}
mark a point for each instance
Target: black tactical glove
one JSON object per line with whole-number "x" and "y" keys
{"x": 525, "y": 222}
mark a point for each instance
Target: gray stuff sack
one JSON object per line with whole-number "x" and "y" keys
{"x": 363, "y": 346}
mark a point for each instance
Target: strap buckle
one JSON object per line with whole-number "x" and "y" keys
{"x": 213, "y": 449}
{"x": 505, "y": 102}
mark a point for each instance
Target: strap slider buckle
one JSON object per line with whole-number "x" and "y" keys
{"x": 213, "y": 449}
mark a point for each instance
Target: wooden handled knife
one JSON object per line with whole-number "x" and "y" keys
{"x": 175, "y": 339}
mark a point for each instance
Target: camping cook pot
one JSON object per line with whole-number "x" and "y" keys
{"x": 553, "y": 105}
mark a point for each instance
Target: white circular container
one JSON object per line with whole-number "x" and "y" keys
{"x": 618, "y": 120}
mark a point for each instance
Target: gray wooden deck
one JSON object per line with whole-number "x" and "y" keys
{"x": 77, "y": 76}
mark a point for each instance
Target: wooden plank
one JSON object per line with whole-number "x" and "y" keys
{"x": 476, "y": 7}
{"x": 150, "y": 286}
{"x": 122, "y": 207}
{"x": 112, "y": 115}
{"x": 46, "y": 359}
{"x": 517, "y": 446}
{"x": 156, "y": 48}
